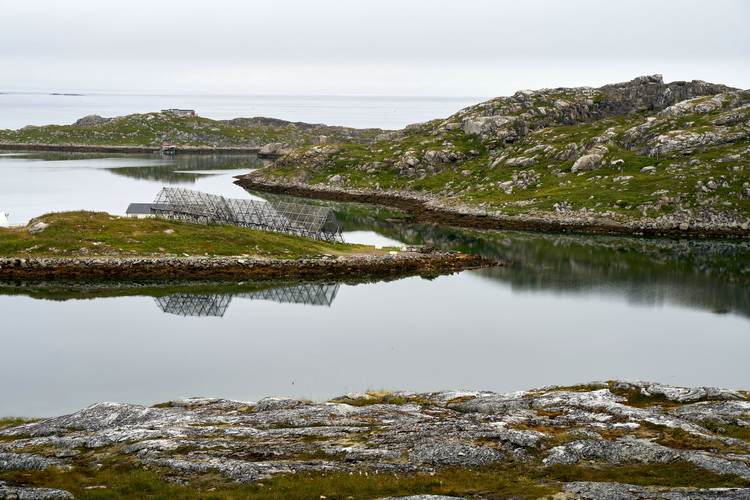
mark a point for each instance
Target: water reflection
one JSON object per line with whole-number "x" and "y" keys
{"x": 311, "y": 294}
{"x": 181, "y": 168}
{"x": 185, "y": 169}
{"x": 189, "y": 298}
{"x": 35, "y": 183}
{"x": 194, "y": 305}
{"x": 711, "y": 275}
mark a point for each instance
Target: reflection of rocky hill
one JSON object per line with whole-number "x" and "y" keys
{"x": 708, "y": 274}
{"x": 172, "y": 169}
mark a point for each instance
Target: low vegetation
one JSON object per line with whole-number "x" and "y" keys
{"x": 623, "y": 152}
{"x": 497, "y": 481}
{"x": 377, "y": 444}
{"x": 149, "y": 129}
{"x": 100, "y": 234}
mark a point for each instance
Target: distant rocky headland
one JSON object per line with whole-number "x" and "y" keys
{"x": 143, "y": 133}
{"x": 601, "y": 440}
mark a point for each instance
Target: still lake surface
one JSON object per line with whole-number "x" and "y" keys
{"x": 569, "y": 309}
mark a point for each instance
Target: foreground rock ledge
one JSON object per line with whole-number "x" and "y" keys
{"x": 398, "y": 263}
{"x": 607, "y": 424}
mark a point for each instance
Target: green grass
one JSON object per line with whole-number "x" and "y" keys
{"x": 729, "y": 430}
{"x": 596, "y": 191}
{"x": 501, "y": 480}
{"x": 10, "y": 421}
{"x": 100, "y": 234}
{"x": 674, "y": 474}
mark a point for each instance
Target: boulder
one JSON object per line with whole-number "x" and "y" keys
{"x": 38, "y": 228}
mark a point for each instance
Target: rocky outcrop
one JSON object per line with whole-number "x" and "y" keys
{"x": 677, "y": 152}
{"x": 592, "y": 426}
{"x": 25, "y": 493}
{"x": 617, "y": 491}
{"x": 91, "y": 121}
{"x": 393, "y": 263}
{"x": 145, "y": 132}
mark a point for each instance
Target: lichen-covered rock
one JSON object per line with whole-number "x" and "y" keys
{"x": 401, "y": 433}
{"x": 619, "y": 491}
{"x": 454, "y": 453}
{"x": 25, "y": 493}
{"x": 26, "y": 461}
{"x": 614, "y": 452}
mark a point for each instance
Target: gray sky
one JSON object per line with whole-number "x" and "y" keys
{"x": 396, "y": 47}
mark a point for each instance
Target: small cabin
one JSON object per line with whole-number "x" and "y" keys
{"x": 178, "y": 112}
{"x": 140, "y": 210}
{"x": 167, "y": 148}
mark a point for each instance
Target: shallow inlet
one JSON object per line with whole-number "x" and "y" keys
{"x": 569, "y": 309}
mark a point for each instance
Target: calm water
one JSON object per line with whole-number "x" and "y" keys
{"x": 387, "y": 112}
{"x": 568, "y": 309}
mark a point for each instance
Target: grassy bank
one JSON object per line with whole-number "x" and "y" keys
{"x": 101, "y": 234}
{"x": 511, "y": 480}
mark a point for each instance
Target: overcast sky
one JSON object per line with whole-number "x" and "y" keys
{"x": 393, "y": 47}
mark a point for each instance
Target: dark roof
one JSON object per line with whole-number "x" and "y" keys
{"x": 139, "y": 208}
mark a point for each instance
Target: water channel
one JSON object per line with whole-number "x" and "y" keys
{"x": 567, "y": 309}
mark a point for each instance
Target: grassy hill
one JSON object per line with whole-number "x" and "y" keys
{"x": 673, "y": 154}
{"x": 148, "y": 130}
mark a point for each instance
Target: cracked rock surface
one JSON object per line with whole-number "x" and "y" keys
{"x": 607, "y": 424}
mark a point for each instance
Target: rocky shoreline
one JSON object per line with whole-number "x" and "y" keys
{"x": 550, "y": 437}
{"x": 83, "y": 148}
{"x": 396, "y": 263}
{"x": 429, "y": 208}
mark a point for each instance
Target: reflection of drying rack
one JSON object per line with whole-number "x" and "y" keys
{"x": 217, "y": 304}
{"x": 194, "y": 305}
{"x": 202, "y": 208}
{"x": 308, "y": 294}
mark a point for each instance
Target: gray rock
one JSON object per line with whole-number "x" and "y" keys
{"x": 25, "y": 493}
{"x": 27, "y": 461}
{"x": 274, "y": 149}
{"x": 619, "y": 491}
{"x": 719, "y": 465}
{"x": 587, "y": 162}
{"x": 454, "y": 453}
{"x": 621, "y": 450}
{"x": 448, "y": 428}
{"x": 91, "y": 121}
{"x": 521, "y": 162}
{"x": 38, "y": 228}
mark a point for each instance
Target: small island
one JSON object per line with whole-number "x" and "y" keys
{"x": 87, "y": 245}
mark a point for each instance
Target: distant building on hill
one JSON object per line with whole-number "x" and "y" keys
{"x": 178, "y": 112}
{"x": 4, "y": 220}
